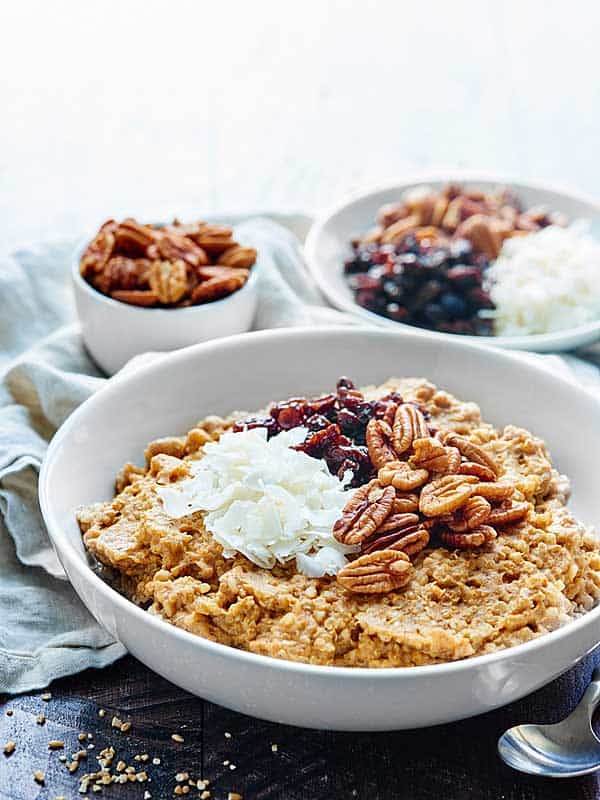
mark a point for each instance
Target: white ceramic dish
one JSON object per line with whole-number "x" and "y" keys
{"x": 328, "y": 246}
{"x": 114, "y": 332}
{"x": 248, "y": 371}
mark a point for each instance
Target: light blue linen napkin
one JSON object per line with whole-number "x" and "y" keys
{"x": 45, "y": 631}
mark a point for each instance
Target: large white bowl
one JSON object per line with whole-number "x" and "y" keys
{"x": 247, "y": 372}
{"x": 328, "y": 246}
{"x": 114, "y": 332}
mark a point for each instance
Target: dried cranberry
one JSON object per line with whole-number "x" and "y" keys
{"x": 289, "y": 414}
{"x": 319, "y": 441}
{"x": 317, "y": 422}
{"x": 321, "y": 405}
{"x": 344, "y": 383}
{"x": 348, "y": 421}
{"x": 480, "y": 298}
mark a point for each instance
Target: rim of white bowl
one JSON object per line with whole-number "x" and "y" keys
{"x": 325, "y": 671}
{"x": 529, "y": 341}
{"x": 112, "y": 303}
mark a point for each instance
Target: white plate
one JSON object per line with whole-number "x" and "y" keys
{"x": 328, "y": 246}
{"x": 248, "y": 371}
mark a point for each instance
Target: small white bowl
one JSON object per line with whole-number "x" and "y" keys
{"x": 328, "y": 246}
{"x": 248, "y": 371}
{"x": 114, "y": 332}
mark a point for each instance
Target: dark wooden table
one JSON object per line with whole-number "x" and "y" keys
{"x": 451, "y": 762}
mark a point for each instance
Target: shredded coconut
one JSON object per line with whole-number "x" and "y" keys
{"x": 546, "y": 281}
{"x": 265, "y": 500}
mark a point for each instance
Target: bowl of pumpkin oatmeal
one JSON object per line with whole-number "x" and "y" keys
{"x": 405, "y": 546}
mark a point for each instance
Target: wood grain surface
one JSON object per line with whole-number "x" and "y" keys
{"x": 452, "y": 762}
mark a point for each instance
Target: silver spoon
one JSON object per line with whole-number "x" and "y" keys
{"x": 564, "y": 750}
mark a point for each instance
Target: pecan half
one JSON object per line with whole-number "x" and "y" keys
{"x": 470, "y": 450}
{"x": 482, "y": 233}
{"x": 409, "y": 424}
{"x": 395, "y": 232}
{"x": 132, "y": 239}
{"x": 135, "y": 297}
{"x": 410, "y": 541}
{"x": 405, "y": 503}
{"x": 432, "y": 455}
{"x": 378, "y": 438}
{"x": 168, "y": 280}
{"x": 390, "y": 414}
{"x": 376, "y": 573}
{"x": 508, "y": 515}
{"x": 396, "y": 523}
{"x": 479, "y": 470}
{"x": 173, "y": 247}
{"x": 221, "y": 286}
{"x": 494, "y": 491}
{"x": 368, "y": 507}
{"x": 99, "y": 250}
{"x": 402, "y": 476}
{"x": 122, "y": 272}
{"x": 238, "y": 256}
{"x": 213, "y": 239}
{"x": 475, "y": 512}
{"x": 475, "y": 538}
{"x": 446, "y": 494}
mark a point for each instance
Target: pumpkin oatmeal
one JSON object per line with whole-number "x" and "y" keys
{"x": 386, "y": 527}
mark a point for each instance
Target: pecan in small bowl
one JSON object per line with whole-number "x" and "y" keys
{"x": 141, "y": 288}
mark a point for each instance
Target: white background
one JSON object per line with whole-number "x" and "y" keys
{"x": 117, "y": 107}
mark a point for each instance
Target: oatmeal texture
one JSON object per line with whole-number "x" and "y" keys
{"x": 533, "y": 578}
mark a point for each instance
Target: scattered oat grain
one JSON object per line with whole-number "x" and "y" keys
{"x": 125, "y": 726}
{"x": 46, "y": 696}
{"x": 9, "y": 712}
{"x": 234, "y": 796}
{"x": 156, "y": 761}
{"x": 227, "y": 735}
{"x": 39, "y": 777}
{"x": 177, "y": 737}
{"x": 40, "y": 719}
{"x": 274, "y": 748}
{"x": 9, "y": 748}
{"x": 56, "y": 744}
{"x": 101, "y": 712}
{"x": 205, "y": 795}
{"x": 147, "y": 795}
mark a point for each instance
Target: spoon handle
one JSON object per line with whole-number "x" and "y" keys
{"x": 591, "y": 697}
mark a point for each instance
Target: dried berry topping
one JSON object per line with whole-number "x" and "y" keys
{"x": 337, "y": 425}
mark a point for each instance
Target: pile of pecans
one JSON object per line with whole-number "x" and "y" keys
{"x": 431, "y": 486}
{"x": 173, "y": 266}
{"x": 485, "y": 219}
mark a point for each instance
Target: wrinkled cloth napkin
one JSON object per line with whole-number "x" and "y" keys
{"x": 45, "y": 373}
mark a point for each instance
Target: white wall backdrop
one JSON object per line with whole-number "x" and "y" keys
{"x": 145, "y": 107}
